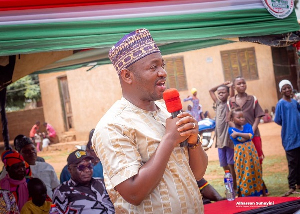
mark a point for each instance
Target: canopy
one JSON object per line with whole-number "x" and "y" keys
{"x": 55, "y": 28}
{"x": 176, "y": 25}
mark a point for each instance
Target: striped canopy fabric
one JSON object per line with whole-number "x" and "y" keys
{"x": 176, "y": 25}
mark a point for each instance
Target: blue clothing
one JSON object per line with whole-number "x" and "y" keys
{"x": 226, "y": 155}
{"x": 287, "y": 115}
{"x": 97, "y": 172}
{"x": 247, "y": 128}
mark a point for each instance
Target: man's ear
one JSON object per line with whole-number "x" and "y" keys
{"x": 126, "y": 75}
{"x": 69, "y": 169}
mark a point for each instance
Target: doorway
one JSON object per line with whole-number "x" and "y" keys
{"x": 285, "y": 63}
{"x": 66, "y": 102}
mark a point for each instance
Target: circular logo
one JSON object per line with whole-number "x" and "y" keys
{"x": 279, "y": 8}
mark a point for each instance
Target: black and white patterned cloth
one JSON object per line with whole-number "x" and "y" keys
{"x": 74, "y": 198}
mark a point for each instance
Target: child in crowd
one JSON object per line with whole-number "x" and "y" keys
{"x": 247, "y": 166}
{"x": 267, "y": 118}
{"x": 273, "y": 112}
{"x": 189, "y": 109}
{"x": 251, "y": 109}
{"x": 287, "y": 115}
{"x": 223, "y": 142}
{"x": 38, "y": 204}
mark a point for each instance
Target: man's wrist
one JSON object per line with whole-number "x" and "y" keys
{"x": 195, "y": 145}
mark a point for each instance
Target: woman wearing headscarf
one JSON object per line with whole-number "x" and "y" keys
{"x": 15, "y": 180}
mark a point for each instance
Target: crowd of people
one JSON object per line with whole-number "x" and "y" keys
{"x": 42, "y": 137}
{"x": 144, "y": 167}
{"x": 29, "y": 185}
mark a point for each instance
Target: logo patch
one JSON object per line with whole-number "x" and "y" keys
{"x": 78, "y": 154}
{"x": 279, "y": 8}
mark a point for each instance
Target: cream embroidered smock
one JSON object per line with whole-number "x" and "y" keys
{"x": 124, "y": 139}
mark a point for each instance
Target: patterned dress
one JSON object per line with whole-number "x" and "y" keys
{"x": 246, "y": 164}
{"x": 8, "y": 202}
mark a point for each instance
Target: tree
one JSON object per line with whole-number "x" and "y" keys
{"x": 24, "y": 90}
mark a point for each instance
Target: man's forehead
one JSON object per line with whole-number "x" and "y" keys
{"x": 28, "y": 146}
{"x": 85, "y": 160}
{"x": 154, "y": 57}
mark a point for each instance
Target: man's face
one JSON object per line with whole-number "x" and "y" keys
{"x": 286, "y": 90}
{"x": 222, "y": 94}
{"x": 240, "y": 85}
{"x": 29, "y": 154}
{"x": 17, "y": 171}
{"x": 149, "y": 77}
{"x": 81, "y": 172}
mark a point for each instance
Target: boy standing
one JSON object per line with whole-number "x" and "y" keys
{"x": 251, "y": 109}
{"x": 223, "y": 142}
{"x": 287, "y": 115}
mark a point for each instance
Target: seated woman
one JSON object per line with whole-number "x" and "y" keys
{"x": 15, "y": 180}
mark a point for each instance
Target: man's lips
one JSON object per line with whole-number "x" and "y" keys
{"x": 161, "y": 83}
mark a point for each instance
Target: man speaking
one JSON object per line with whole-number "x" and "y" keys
{"x": 145, "y": 169}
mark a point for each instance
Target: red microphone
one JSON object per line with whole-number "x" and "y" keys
{"x": 173, "y": 104}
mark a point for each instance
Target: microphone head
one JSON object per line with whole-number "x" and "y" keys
{"x": 172, "y": 100}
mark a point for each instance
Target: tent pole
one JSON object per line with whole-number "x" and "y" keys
{"x": 4, "y": 119}
{"x": 6, "y": 73}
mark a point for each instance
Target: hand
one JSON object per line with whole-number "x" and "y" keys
{"x": 188, "y": 126}
{"x": 228, "y": 83}
{"x": 234, "y": 134}
{"x": 171, "y": 133}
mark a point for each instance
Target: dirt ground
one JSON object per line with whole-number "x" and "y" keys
{"x": 270, "y": 132}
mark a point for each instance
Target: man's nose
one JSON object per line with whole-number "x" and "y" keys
{"x": 162, "y": 72}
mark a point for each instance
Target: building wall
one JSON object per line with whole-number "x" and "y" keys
{"x": 204, "y": 71}
{"x": 21, "y": 122}
{"x": 93, "y": 92}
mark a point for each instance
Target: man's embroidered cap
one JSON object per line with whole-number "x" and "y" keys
{"x": 131, "y": 48}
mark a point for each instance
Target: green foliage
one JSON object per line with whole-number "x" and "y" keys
{"x": 25, "y": 89}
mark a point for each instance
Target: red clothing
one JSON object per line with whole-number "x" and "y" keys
{"x": 33, "y": 130}
{"x": 258, "y": 146}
